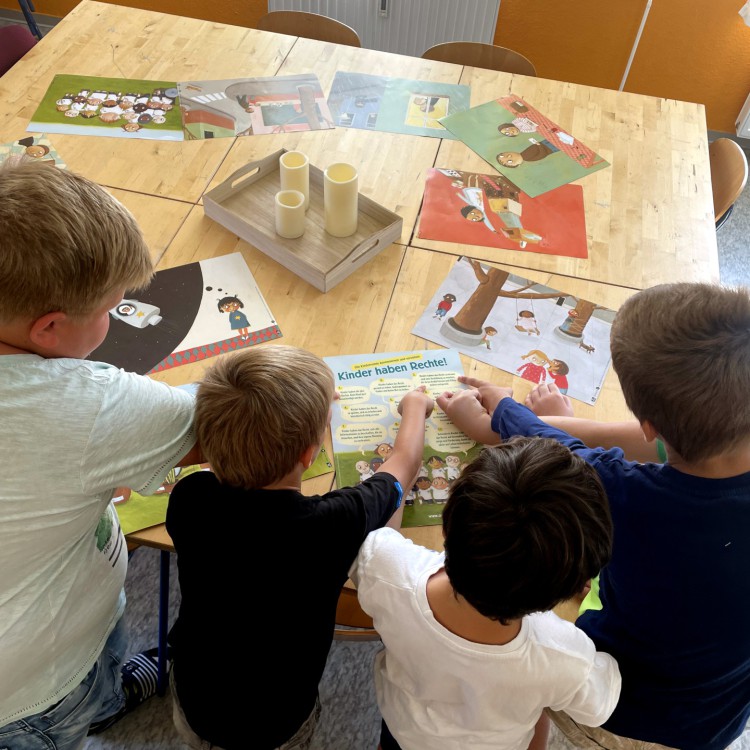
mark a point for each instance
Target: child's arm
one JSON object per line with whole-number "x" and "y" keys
{"x": 408, "y": 449}
{"x": 471, "y": 410}
{"x": 555, "y": 409}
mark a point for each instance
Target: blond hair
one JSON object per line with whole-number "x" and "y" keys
{"x": 257, "y": 411}
{"x": 682, "y": 354}
{"x": 65, "y": 244}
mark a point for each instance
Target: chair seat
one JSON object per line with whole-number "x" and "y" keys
{"x": 310, "y": 26}
{"x": 479, "y": 55}
{"x": 15, "y": 42}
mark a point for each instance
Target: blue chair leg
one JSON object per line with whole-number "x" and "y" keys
{"x": 161, "y": 683}
{"x": 27, "y": 6}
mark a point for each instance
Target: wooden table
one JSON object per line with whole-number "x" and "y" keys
{"x": 649, "y": 216}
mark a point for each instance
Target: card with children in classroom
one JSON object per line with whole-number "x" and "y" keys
{"x": 530, "y": 330}
{"x": 186, "y": 314}
{"x": 179, "y": 111}
{"x": 520, "y": 142}
{"x": 489, "y": 210}
{"x": 365, "y": 422}
{"x": 36, "y": 147}
{"x": 395, "y": 105}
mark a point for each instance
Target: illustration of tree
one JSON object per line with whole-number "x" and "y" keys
{"x": 467, "y": 326}
{"x": 577, "y": 318}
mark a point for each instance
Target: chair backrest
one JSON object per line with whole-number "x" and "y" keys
{"x": 479, "y": 55}
{"x": 310, "y": 26}
{"x": 15, "y": 42}
{"x": 352, "y": 623}
{"x": 728, "y": 174}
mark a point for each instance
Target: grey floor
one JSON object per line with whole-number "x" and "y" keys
{"x": 350, "y": 714}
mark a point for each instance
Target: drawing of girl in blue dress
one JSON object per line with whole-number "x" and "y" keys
{"x": 237, "y": 320}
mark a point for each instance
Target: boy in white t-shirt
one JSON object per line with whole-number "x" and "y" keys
{"x": 473, "y": 655}
{"x": 72, "y": 432}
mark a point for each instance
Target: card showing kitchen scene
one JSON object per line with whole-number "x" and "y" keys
{"x": 489, "y": 210}
{"x": 395, "y": 105}
{"x": 519, "y": 141}
{"x": 530, "y": 330}
{"x": 188, "y": 313}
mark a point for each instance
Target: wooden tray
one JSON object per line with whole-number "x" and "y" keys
{"x": 244, "y": 204}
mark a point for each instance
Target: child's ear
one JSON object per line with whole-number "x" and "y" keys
{"x": 308, "y": 456}
{"x": 45, "y": 331}
{"x": 649, "y": 431}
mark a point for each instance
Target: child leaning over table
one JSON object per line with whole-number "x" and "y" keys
{"x": 681, "y": 529}
{"x": 473, "y": 654}
{"x": 247, "y": 539}
{"x": 72, "y": 431}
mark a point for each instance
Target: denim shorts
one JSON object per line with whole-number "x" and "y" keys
{"x": 64, "y": 725}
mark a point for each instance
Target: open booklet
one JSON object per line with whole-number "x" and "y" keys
{"x": 366, "y": 420}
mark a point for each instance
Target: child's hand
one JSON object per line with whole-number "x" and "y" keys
{"x": 465, "y": 410}
{"x": 546, "y": 401}
{"x": 417, "y": 396}
{"x": 490, "y": 395}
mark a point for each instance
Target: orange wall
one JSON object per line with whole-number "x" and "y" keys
{"x": 694, "y": 51}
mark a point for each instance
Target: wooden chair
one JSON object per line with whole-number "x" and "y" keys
{"x": 352, "y": 624}
{"x": 479, "y": 55}
{"x": 310, "y": 26}
{"x": 15, "y": 42}
{"x": 728, "y": 176}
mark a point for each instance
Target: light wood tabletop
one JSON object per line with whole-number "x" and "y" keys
{"x": 649, "y": 215}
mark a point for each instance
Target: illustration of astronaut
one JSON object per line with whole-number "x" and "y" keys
{"x": 137, "y": 314}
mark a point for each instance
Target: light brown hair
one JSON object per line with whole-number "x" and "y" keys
{"x": 65, "y": 245}
{"x": 257, "y": 411}
{"x": 682, "y": 354}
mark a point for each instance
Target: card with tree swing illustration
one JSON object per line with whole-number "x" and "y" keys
{"x": 530, "y": 330}
{"x": 489, "y": 210}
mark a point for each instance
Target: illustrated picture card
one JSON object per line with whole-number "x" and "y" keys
{"x": 489, "y": 210}
{"x": 186, "y": 314}
{"x": 253, "y": 106}
{"x": 395, "y": 105}
{"x": 113, "y": 107}
{"x": 519, "y": 141}
{"x": 365, "y": 423}
{"x": 530, "y": 330}
{"x": 37, "y": 147}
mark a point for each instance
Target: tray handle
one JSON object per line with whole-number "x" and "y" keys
{"x": 363, "y": 248}
{"x": 242, "y": 175}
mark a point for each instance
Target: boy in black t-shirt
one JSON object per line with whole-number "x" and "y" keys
{"x": 248, "y": 540}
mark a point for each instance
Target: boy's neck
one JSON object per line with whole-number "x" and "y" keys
{"x": 724, "y": 466}
{"x": 454, "y": 613}
{"x": 291, "y": 481}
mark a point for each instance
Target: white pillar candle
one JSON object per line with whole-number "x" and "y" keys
{"x": 290, "y": 213}
{"x": 294, "y": 171}
{"x": 340, "y": 199}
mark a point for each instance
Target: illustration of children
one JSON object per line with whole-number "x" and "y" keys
{"x": 453, "y": 467}
{"x": 526, "y": 323}
{"x": 440, "y": 489}
{"x": 444, "y": 306}
{"x": 557, "y": 370}
{"x": 375, "y": 463}
{"x": 518, "y": 126}
{"x": 537, "y": 151}
{"x": 489, "y": 332}
{"x": 409, "y": 496}
{"x": 237, "y": 320}
{"x": 424, "y": 489}
{"x": 365, "y": 472}
{"x": 437, "y": 466}
{"x": 534, "y": 370}
{"x": 384, "y": 450}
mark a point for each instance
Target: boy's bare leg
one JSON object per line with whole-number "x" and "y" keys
{"x": 541, "y": 734}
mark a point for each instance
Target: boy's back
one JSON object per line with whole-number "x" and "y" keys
{"x": 283, "y": 558}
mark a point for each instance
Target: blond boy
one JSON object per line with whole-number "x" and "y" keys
{"x": 248, "y": 540}
{"x": 72, "y": 431}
